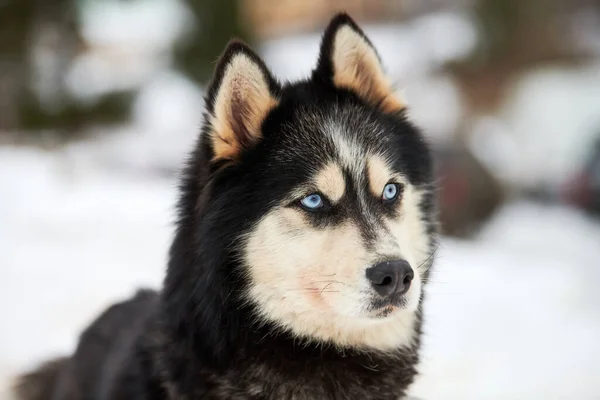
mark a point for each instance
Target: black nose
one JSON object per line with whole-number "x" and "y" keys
{"x": 391, "y": 277}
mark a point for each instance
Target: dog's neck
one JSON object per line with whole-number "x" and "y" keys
{"x": 263, "y": 358}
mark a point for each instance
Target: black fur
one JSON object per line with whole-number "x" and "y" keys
{"x": 197, "y": 339}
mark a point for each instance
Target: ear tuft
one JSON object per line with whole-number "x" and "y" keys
{"x": 240, "y": 96}
{"x": 348, "y": 60}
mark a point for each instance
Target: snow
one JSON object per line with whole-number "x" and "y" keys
{"x": 553, "y": 114}
{"x": 72, "y": 240}
{"x": 514, "y": 313}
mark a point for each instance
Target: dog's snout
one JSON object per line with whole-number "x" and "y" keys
{"x": 391, "y": 277}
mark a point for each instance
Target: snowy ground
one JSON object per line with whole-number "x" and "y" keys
{"x": 516, "y": 313}
{"x": 512, "y": 315}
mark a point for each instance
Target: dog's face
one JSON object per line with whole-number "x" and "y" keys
{"x": 332, "y": 191}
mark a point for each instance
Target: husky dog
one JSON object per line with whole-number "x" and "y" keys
{"x": 306, "y": 229}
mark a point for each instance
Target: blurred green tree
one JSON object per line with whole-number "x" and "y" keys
{"x": 39, "y": 39}
{"x": 217, "y": 22}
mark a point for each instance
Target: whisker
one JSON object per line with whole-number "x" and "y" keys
{"x": 430, "y": 255}
{"x": 330, "y": 282}
{"x": 308, "y": 290}
{"x": 326, "y": 286}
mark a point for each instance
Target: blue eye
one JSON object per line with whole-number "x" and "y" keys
{"x": 390, "y": 192}
{"x": 312, "y": 202}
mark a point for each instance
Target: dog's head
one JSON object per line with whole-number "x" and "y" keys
{"x": 310, "y": 203}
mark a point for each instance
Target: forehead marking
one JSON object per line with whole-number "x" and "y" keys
{"x": 352, "y": 156}
{"x": 330, "y": 181}
{"x": 349, "y": 152}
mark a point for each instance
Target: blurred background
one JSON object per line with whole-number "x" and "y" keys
{"x": 101, "y": 99}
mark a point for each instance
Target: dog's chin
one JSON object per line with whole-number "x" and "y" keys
{"x": 386, "y": 311}
{"x": 386, "y": 308}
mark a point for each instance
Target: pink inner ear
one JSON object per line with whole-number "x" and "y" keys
{"x": 239, "y": 115}
{"x": 242, "y": 102}
{"x": 357, "y": 67}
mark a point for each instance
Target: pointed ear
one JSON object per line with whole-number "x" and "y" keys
{"x": 240, "y": 96}
{"x": 348, "y": 60}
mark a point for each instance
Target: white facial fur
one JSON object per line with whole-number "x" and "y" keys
{"x": 312, "y": 281}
